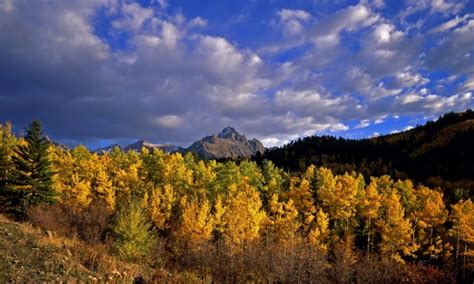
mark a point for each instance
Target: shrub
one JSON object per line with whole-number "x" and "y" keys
{"x": 89, "y": 224}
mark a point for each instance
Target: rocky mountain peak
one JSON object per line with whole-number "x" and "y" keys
{"x": 226, "y": 144}
{"x": 231, "y": 133}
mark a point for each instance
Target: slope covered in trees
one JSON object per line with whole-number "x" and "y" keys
{"x": 229, "y": 222}
{"x": 439, "y": 154}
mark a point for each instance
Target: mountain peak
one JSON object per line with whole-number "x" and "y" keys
{"x": 231, "y": 133}
{"x": 226, "y": 144}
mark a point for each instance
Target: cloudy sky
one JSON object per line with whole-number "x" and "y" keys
{"x": 103, "y": 71}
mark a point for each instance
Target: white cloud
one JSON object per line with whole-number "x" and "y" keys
{"x": 453, "y": 23}
{"x": 7, "y": 6}
{"x": 174, "y": 82}
{"x": 385, "y": 33}
{"x": 169, "y": 121}
{"x": 293, "y": 21}
{"x": 170, "y": 35}
{"x": 198, "y": 22}
{"x": 411, "y": 98}
{"x": 133, "y": 18}
{"x": 362, "y": 124}
{"x": 407, "y": 79}
{"x": 352, "y": 18}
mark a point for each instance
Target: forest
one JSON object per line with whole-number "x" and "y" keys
{"x": 437, "y": 154}
{"x": 183, "y": 219}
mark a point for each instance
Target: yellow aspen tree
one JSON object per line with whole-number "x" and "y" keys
{"x": 274, "y": 180}
{"x": 72, "y": 181}
{"x": 102, "y": 185}
{"x": 8, "y": 142}
{"x": 204, "y": 174}
{"x": 196, "y": 224}
{"x": 319, "y": 233}
{"x": 243, "y": 216}
{"x": 219, "y": 222}
{"x": 430, "y": 215}
{"x": 406, "y": 191}
{"x": 281, "y": 224}
{"x": 160, "y": 206}
{"x": 369, "y": 205}
{"x": 63, "y": 166}
{"x": 152, "y": 164}
{"x": 338, "y": 196}
{"x": 395, "y": 230}
{"x": 462, "y": 218}
{"x": 300, "y": 193}
{"x": 175, "y": 173}
{"x": 252, "y": 172}
{"x": 79, "y": 191}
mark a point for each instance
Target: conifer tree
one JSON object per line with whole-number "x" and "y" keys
{"x": 31, "y": 178}
{"x": 133, "y": 232}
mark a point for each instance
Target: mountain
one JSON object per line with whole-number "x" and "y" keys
{"x": 106, "y": 149}
{"x": 228, "y": 144}
{"x": 138, "y": 145}
{"x": 439, "y": 153}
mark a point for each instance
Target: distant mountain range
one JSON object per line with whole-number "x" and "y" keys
{"x": 228, "y": 144}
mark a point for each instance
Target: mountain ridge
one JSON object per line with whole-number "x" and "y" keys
{"x": 227, "y": 144}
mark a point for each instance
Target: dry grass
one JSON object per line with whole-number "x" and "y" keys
{"x": 32, "y": 254}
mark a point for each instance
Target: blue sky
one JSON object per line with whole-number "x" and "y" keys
{"x": 103, "y": 71}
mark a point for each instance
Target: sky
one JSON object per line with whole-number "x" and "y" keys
{"x": 97, "y": 72}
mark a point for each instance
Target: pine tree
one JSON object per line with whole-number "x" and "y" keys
{"x": 133, "y": 232}
{"x": 31, "y": 178}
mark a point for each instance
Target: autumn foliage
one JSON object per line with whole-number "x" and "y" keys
{"x": 242, "y": 221}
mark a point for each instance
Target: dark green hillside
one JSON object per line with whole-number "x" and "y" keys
{"x": 439, "y": 153}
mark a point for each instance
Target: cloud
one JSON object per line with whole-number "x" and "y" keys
{"x": 453, "y": 53}
{"x": 169, "y": 121}
{"x": 152, "y": 73}
{"x": 453, "y": 23}
{"x": 7, "y": 6}
{"x": 293, "y": 21}
{"x": 362, "y": 124}
{"x": 352, "y": 18}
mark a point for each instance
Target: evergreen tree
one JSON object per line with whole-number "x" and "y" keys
{"x": 134, "y": 237}
{"x": 31, "y": 179}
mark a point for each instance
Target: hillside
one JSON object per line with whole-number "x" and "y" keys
{"x": 437, "y": 153}
{"x": 31, "y": 255}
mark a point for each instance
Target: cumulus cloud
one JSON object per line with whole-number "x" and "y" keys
{"x": 293, "y": 21}
{"x": 352, "y": 18}
{"x": 152, "y": 74}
